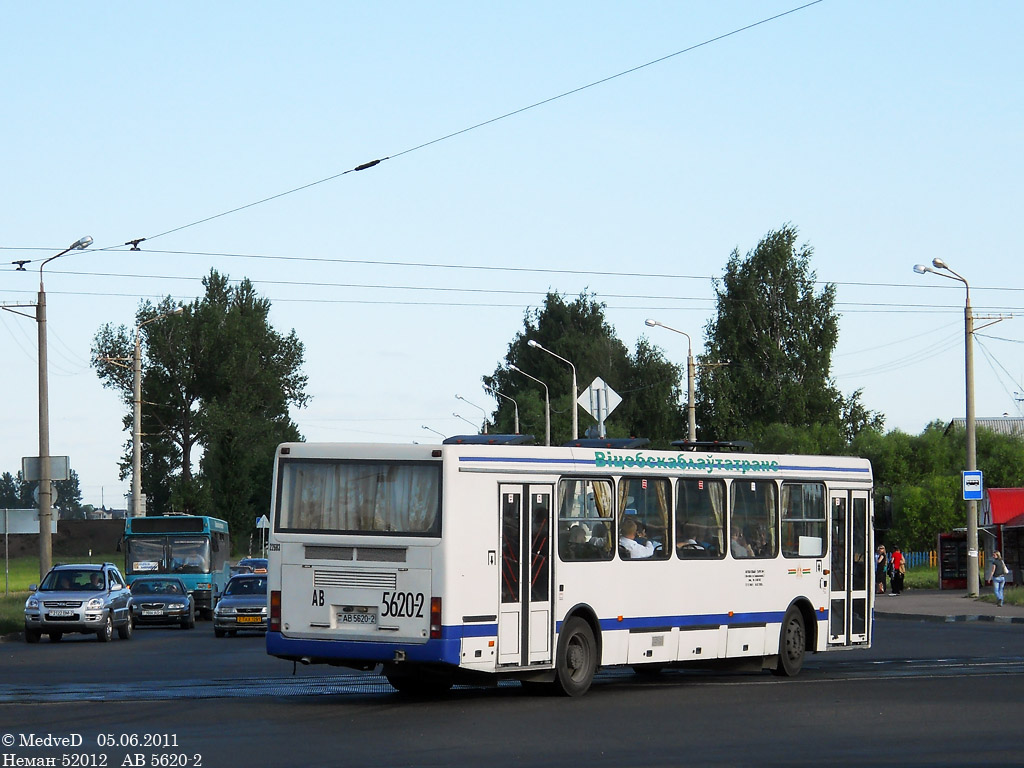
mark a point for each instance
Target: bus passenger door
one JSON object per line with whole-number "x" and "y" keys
{"x": 525, "y": 614}
{"x": 850, "y": 568}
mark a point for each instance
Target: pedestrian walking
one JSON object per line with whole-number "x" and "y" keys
{"x": 880, "y": 565}
{"x": 898, "y": 566}
{"x": 997, "y": 573}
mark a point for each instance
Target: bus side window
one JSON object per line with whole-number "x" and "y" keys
{"x": 753, "y": 527}
{"x": 584, "y": 519}
{"x": 648, "y": 501}
{"x": 803, "y": 520}
{"x": 700, "y": 519}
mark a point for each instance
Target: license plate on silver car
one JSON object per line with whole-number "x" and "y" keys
{"x": 61, "y": 613}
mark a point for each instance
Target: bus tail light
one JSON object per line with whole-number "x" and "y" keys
{"x": 275, "y": 610}
{"x": 435, "y": 618}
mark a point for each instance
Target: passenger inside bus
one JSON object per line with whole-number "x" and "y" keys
{"x": 629, "y": 547}
{"x": 738, "y": 546}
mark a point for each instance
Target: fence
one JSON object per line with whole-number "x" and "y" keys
{"x": 914, "y": 559}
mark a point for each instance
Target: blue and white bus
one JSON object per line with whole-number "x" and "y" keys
{"x": 195, "y": 548}
{"x": 475, "y": 560}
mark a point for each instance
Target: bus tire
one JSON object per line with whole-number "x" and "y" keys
{"x": 576, "y": 662}
{"x": 792, "y": 644}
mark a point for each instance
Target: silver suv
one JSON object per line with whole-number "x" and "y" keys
{"x": 86, "y": 598}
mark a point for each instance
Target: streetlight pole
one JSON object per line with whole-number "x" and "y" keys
{"x": 137, "y": 414}
{"x": 575, "y": 393}
{"x": 45, "y": 482}
{"x": 691, "y": 416}
{"x": 547, "y": 402}
{"x": 972, "y": 456}
{"x": 460, "y": 397}
{"x": 515, "y": 405}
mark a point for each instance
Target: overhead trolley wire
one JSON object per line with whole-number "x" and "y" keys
{"x": 373, "y": 163}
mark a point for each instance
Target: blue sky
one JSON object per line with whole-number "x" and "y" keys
{"x": 887, "y": 133}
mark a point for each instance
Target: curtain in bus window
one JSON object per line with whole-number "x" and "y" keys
{"x": 602, "y": 498}
{"x": 351, "y": 496}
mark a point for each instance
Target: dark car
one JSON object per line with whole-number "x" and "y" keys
{"x": 162, "y": 600}
{"x": 242, "y": 605}
{"x": 255, "y": 564}
{"x": 85, "y": 598}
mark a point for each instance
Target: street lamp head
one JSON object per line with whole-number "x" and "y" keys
{"x": 651, "y": 323}
{"x": 939, "y": 263}
{"x": 512, "y": 367}
{"x": 532, "y": 343}
{"x": 78, "y": 245}
{"x": 921, "y": 269}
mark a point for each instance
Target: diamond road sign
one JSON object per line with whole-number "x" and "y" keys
{"x": 599, "y": 399}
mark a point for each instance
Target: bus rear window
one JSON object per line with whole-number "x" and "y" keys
{"x": 359, "y": 497}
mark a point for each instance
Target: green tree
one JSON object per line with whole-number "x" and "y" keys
{"x": 10, "y": 492}
{"x": 771, "y": 344}
{"x": 69, "y": 497}
{"x": 578, "y": 331}
{"x": 216, "y": 377}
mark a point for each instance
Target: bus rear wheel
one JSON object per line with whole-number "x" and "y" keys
{"x": 792, "y": 644}
{"x": 576, "y": 662}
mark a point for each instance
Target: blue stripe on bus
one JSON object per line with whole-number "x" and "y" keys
{"x": 447, "y": 650}
{"x": 664, "y": 623}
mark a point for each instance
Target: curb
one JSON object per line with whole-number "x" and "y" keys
{"x": 949, "y": 619}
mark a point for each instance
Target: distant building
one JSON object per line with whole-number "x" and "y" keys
{"x": 1002, "y": 425}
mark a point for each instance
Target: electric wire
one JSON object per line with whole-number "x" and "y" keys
{"x": 423, "y": 145}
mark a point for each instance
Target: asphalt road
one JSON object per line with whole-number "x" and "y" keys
{"x": 926, "y": 694}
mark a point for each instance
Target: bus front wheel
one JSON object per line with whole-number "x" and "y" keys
{"x": 576, "y": 662}
{"x": 792, "y": 644}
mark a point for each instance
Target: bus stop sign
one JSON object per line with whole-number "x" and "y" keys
{"x": 973, "y": 486}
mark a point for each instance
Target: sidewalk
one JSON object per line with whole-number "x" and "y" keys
{"x": 944, "y": 605}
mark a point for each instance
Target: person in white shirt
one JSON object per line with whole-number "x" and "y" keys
{"x": 627, "y": 540}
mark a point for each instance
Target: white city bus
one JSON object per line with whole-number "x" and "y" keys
{"x": 482, "y": 559}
